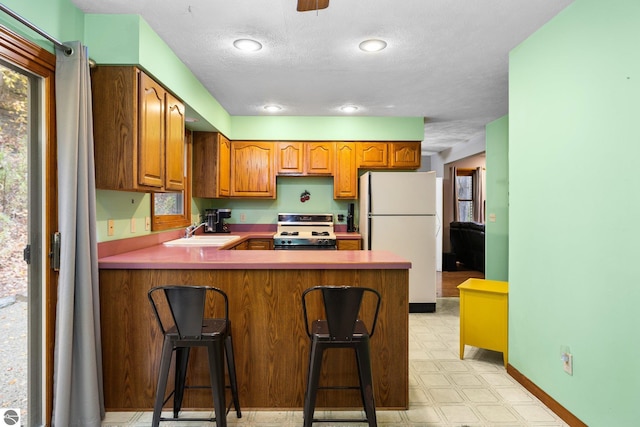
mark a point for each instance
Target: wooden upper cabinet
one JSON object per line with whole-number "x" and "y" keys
{"x": 405, "y": 155}
{"x": 319, "y": 158}
{"x": 224, "y": 166}
{"x": 252, "y": 169}
{"x": 152, "y": 127}
{"x": 373, "y": 154}
{"x": 290, "y": 158}
{"x": 131, "y": 122}
{"x": 211, "y": 165}
{"x": 174, "y": 146}
{"x": 345, "y": 179}
{"x": 305, "y": 158}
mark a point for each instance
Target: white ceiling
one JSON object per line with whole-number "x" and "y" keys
{"x": 446, "y": 60}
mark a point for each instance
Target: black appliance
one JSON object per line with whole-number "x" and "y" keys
{"x": 215, "y": 220}
{"x": 351, "y": 227}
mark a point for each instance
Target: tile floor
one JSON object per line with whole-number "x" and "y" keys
{"x": 444, "y": 390}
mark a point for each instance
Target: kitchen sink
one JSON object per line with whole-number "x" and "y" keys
{"x": 203, "y": 240}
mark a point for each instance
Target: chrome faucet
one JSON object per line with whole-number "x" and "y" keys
{"x": 191, "y": 230}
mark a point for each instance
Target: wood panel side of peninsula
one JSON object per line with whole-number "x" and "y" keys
{"x": 271, "y": 345}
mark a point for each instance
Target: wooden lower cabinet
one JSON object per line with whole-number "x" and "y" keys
{"x": 349, "y": 245}
{"x": 254, "y": 245}
{"x": 270, "y": 342}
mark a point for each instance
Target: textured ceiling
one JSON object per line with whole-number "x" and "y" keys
{"x": 446, "y": 60}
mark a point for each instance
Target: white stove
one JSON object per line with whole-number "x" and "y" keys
{"x": 304, "y": 231}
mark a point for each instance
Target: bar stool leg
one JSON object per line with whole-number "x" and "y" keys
{"x": 182, "y": 361}
{"x": 163, "y": 375}
{"x": 231, "y": 366}
{"x": 315, "y": 364}
{"x": 216, "y": 373}
{"x": 366, "y": 382}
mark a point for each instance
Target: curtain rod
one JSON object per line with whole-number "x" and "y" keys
{"x": 67, "y": 50}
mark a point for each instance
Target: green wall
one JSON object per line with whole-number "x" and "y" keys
{"x": 497, "y": 200}
{"x": 128, "y": 39}
{"x": 122, "y": 206}
{"x": 59, "y": 18}
{"x": 573, "y": 154}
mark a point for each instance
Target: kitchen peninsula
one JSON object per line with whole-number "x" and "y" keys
{"x": 271, "y": 345}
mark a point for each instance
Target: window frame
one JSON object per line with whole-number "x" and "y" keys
{"x": 470, "y": 173}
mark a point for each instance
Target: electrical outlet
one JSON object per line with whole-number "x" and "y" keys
{"x": 567, "y": 363}
{"x": 110, "y": 227}
{"x": 147, "y": 223}
{"x": 133, "y": 225}
{"x": 243, "y": 217}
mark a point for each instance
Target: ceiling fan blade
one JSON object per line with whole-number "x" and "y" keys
{"x": 306, "y": 5}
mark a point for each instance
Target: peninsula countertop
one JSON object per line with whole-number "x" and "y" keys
{"x": 190, "y": 258}
{"x": 160, "y": 256}
{"x": 264, "y": 289}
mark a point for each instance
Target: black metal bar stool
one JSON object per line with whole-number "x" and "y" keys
{"x": 340, "y": 328}
{"x": 180, "y": 311}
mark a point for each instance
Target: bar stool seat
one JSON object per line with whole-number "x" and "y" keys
{"x": 180, "y": 312}
{"x": 341, "y": 327}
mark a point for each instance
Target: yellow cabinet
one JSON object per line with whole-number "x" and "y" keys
{"x": 211, "y": 165}
{"x": 252, "y": 169}
{"x": 404, "y": 155}
{"x": 484, "y": 316}
{"x": 345, "y": 178}
{"x": 138, "y": 132}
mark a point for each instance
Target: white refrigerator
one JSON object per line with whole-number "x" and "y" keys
{"x": 398, "y": 214}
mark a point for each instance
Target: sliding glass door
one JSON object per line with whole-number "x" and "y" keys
{"x": 27, "y": 218}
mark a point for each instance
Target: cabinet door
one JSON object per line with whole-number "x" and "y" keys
{"x": 151, "y": 133}
{"x": 223, "y": 166}
{"x": 260, "y": 244}
{"x": 174, "y": 145}
{"x": 345, "y": 180}
{"x": 252, "y": 169}
{"x": 405, "y": 155}
{"x": 373, "y": 154}
{"x": 211, "y": 165}
{"x": 319, "y": 158}
{"x": 348, "y": 245}
{"x": 290, "y": 158}
{"x": 115, "y": 110}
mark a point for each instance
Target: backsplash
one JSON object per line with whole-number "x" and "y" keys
{"x": 121, "y": 206}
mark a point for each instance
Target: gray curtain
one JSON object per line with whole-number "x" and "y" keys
{"x": 77, "y": 391}
{"x": 478, "y": 195}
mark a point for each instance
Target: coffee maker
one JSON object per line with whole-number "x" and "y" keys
{"x": 215, "y": 220}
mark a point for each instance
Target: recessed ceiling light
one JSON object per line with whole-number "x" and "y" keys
{"x": 247, "y": 45}
{"x": 373, "y": 45}
{"x": 272, "y": 108}
{"x": 349, "y": 109}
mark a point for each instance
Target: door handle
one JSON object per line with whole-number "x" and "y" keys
{"x": 55, "y": 251}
